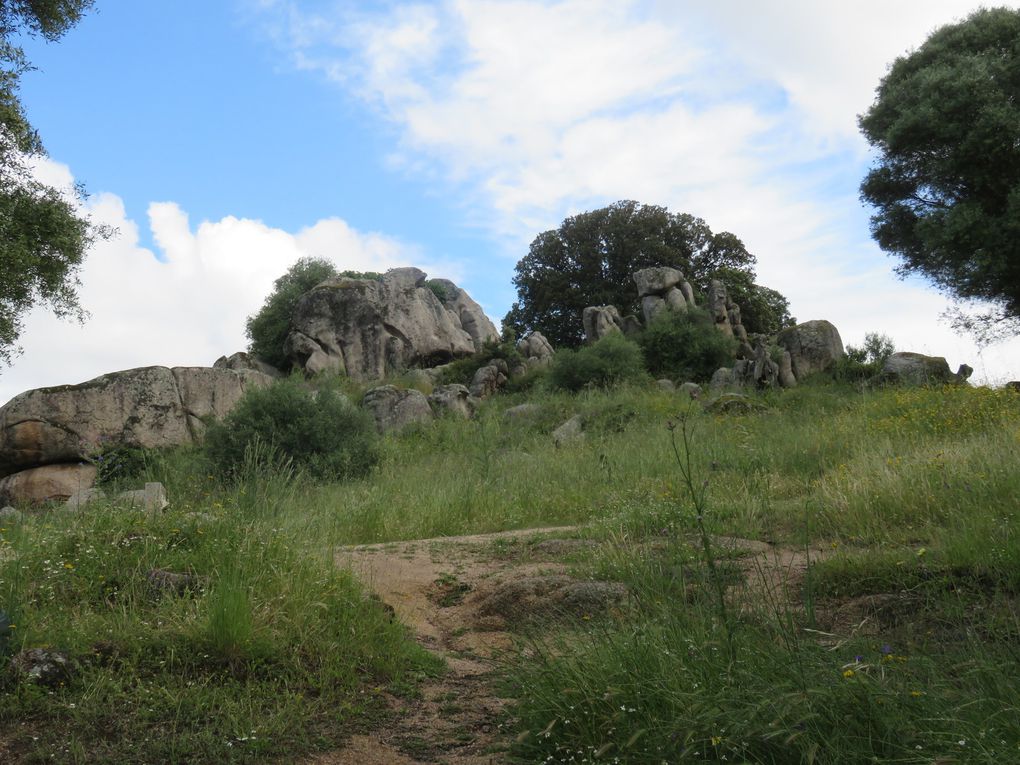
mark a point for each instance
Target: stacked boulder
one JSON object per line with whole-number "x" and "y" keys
{"x": 726, "y": 315}
{"x": 663, "y": 289}
{"x": 49, "y": 435}
{"x": 536, "y": 349}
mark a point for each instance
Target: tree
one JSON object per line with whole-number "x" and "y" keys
{"x": 43, "y": 233}
{"x": 946, "y": 184}
{"x": 589, "y": 260}
{"x": 267, "y": 330}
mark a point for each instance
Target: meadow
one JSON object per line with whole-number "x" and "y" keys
{"x": 898, "y": 644}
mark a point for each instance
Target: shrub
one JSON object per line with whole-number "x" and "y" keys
{"x": 612, "y": 360}
{"x": 685, "y": 346}
{"x": 267, "y": 330}
{"x": 321, "y": 432}
{"x": 862, "y": 362}
{"x": 463, "y": 370}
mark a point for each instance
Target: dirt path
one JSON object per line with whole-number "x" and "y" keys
{"x": 435, "y": 587}
{"x": 440, "y": 588}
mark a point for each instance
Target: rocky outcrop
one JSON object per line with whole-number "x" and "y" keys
{"x": 453, "y": 399}
{"x": 149, "y": 407}
{"x": 242, "y": 361}
{"x": 46, "y": 483}
{"x": 917, "y": 369}
{"x": 599, "y": 321}
{"x": 814, "y": 346}
{"x": 536, "y": 350}
{"x": 368, "y": 328}
{"x": 726, "y": 315}
{"x": 395, "y": 409}
{"x": 662, "y": 289}
{"x": 489, "y": 379}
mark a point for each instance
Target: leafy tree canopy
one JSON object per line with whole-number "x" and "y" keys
{"x": 589, "y": 260}
{"x": 946, "y": 185}
{"x": 267, "y": 329}
{"x": 44, "y": 235}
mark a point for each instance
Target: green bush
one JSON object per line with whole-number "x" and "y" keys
{"x": 612, "y": 360}
{"x": 685, "y": 346}
{"x": 865, "y": 361}
{"x": 320, "y": 432}
{"x": 267, "y": 330}
{"x": 463, "y": 370}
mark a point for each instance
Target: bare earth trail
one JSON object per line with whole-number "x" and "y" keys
{"x": 438, "y": 588}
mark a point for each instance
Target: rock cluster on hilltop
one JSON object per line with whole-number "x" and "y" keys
{"x": 368, "y": 328}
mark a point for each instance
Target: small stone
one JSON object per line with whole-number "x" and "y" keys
{"x": 84, "y": 497}
{"x": 691, "y": 389}
{"x": 10, "y": 515}
{"x": 666, "y": 385}
{"x": 571, "y": 430}
{"x": 42, "y": 666}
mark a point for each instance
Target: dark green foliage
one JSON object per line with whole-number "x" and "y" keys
{"x": 590, "y": 259}
{"x": 946, "y": 187}
{"x": 685, "y": 346}
{"x": 320, "y": 432}
{"x": 44, "y": 237}
{"x": 120, "y": 463}
{"x": 612, "y": 360}
{"x": 462, "y": 370}
{"x": 267, "y": 330}
{"x": 438, "y": 289}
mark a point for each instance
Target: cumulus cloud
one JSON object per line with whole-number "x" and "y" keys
{"x": 743, "y": 114}
{"x": 188, "y": 305}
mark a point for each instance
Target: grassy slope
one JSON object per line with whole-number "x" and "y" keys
{"x": 916, "y": 488}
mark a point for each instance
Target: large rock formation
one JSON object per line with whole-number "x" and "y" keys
{"x": 395, "y": 409}
{"x": 149, "y": 407}
{"x": 367, "y": 328}
{"x": 662, "y": 289}
{"x": 535, "y": 349}
{"x": 814, "y": 346}
{"x": 918, "y": 369}
{"x": 599, "y": 321}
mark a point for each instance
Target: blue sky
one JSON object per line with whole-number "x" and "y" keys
{"x": 226, "y": 139}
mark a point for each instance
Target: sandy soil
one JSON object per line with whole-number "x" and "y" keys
{"x": 438, "y": 587}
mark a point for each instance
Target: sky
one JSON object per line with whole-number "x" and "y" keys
{"x": 226, "y": 139}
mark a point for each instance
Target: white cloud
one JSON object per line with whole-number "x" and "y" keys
{"x": 189, "y": 307}
{"x": 742, "y": 113}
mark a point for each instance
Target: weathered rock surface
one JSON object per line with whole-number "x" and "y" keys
{"x": 42, "y": 666}
{"x": 151, "y": 499}
{"x": 786, "y": 377}
{"x": 367, "y": 329}
{"x": 917, "y": 369}
{"x": 242, "y": 361}
{"x": 691, "y": 390}
{"x": 814, "y": 346}
{"x": 718, "y": 307}
{"x": 489, "y": 379}
{"x": 569, "y": 431}
{"x": 599, "y": 321}
{"x": 535, "y": 348}
{"x": 150, "y": 407}
{"x": 666, "y": 385}
{"x": 657, "y": 280}
{"x": 46, "y": 483}
{"x": 522, "y": 412}
{"x": 653, "y": 306}
{"x": 395, "y": 409}
{"x": 454, "y": 399}
{"x": 8, "y": 515}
